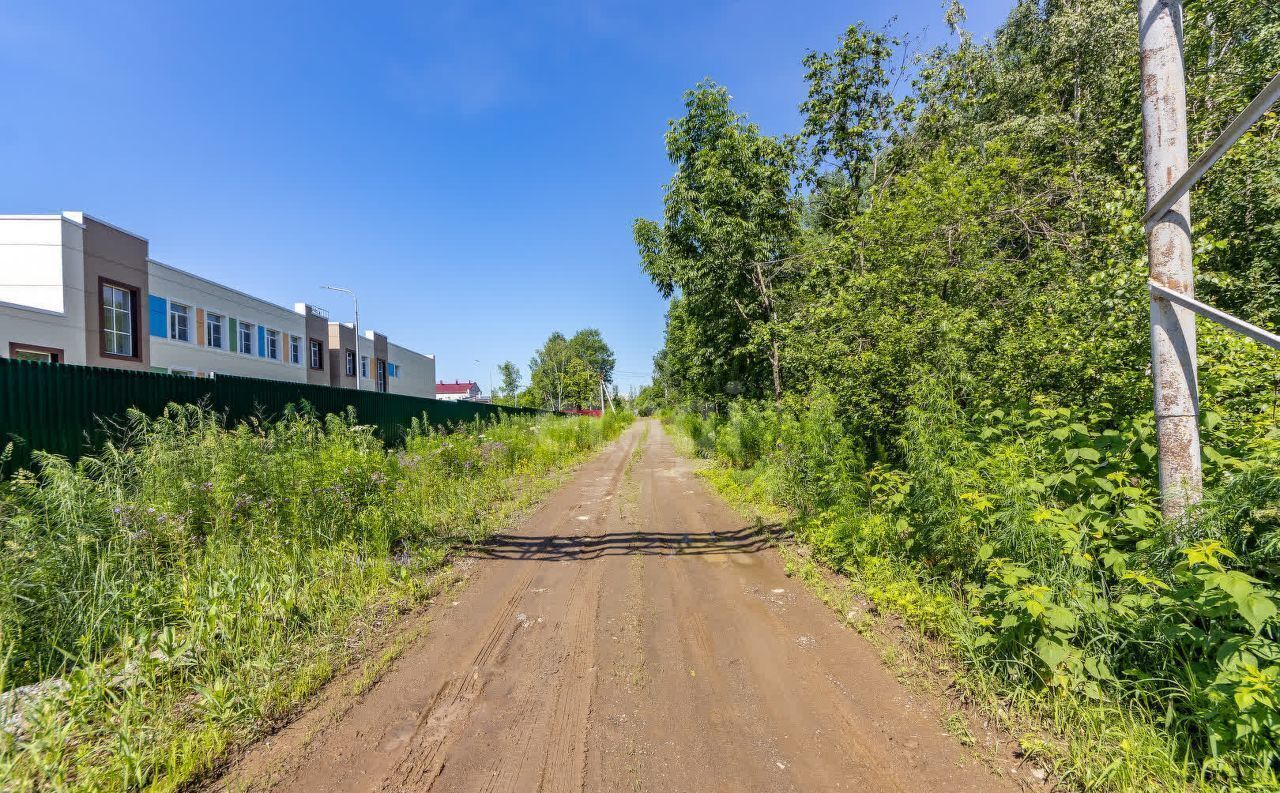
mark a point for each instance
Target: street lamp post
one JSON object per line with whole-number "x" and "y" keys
{"x": 490, "y": 371}
{"x": 355, "y": 307}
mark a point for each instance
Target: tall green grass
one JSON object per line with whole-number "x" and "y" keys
{"x": 1030, "y": 540}
{"x": 193, "y": 582}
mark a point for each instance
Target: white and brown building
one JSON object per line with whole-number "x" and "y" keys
{"x": 77, "y": 290}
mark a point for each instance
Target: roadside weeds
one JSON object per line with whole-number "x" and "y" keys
{"x": 273, "y": 609}
{"x": 1025, "y": 736}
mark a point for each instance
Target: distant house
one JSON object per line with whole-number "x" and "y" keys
{"x": 457, "y": 391}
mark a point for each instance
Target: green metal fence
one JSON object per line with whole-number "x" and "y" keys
{"x": 60, "y": 408}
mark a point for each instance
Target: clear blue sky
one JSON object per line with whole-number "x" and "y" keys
{"x": 473, "y": 168}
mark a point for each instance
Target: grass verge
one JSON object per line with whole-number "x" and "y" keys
{"x": 923, "y": 635}
{"x": 180, "y": 593}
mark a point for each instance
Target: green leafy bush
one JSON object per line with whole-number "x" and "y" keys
{"x": 1029, "y": 537}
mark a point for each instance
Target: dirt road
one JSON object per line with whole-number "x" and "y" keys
{"x": 635, "y": 634}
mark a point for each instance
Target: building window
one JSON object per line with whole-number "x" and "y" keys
{"x": 316, "y": 351}
{"x": 246, "y": 338}
{"x": 392, "y": 370}
{"x": 364, "y": 366}
{"x": 213, "y": 330}
{"x": 119, "y": 320}
{"x": 295, "y": 349}
{"x": 273, "y": 344}
{"x": 31, "y": 352}
{"x": 351, "y": 363}
{"x": 179, "y": 322}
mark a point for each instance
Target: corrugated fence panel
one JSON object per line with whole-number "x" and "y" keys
{"x": 61, "y": 408}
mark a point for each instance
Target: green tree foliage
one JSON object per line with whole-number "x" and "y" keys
{"x": 648, "y": 401}
{"x": 510, "y": 376}
{"x": 961, "y": 315}
{"x": 1237, "y": 206}
{"x": 589, "y": 346}
{"x": 567, "y": 372}
{"x": 849, "y": 116}
{"x": 729, "y": 226}
{"x": 998, "y": 241}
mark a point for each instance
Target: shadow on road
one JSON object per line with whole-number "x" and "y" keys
{"x": 557, "y": 548}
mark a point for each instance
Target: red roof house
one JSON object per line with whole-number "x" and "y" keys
{"x": 457, "y": 390}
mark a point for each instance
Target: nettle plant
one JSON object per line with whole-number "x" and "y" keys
{"x": 1107, "y": 596}
{"x": 1221, "y": 624}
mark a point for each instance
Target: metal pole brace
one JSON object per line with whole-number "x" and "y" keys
{"x": 1234, "y": 131}
{"x": 1221, "y": 317}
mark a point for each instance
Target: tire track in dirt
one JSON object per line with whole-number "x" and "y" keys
{"x": 426, "y": 739}
{"x": 565, "y": 757}
{"x": 632, "y": 635}
{"x": 546, "y": 734}
{"x": 521, "y": 717}
{"x": 796, "y": 751}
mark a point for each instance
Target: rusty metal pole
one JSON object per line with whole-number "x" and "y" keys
{"x": 1173, "y": 329}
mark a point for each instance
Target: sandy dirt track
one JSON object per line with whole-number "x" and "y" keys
{"x": 635, "y": 634}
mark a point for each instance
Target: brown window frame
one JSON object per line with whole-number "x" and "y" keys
{"x": 55, "y": 353}
{"x": 311, "y": 359}
{"x": 135, "y": 321}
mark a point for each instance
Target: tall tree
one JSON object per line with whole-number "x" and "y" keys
{"x": 509, "y": 374}
{"x": 589, "y": 345}
{"x": 729, "y": 225}
{"x": 549, "y": 370}
{"x": 850, "y": 113}
{"x": 567, "y": 372}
